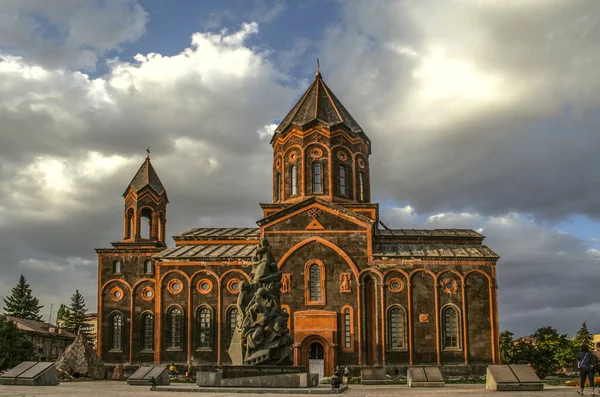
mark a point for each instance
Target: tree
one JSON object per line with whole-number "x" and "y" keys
{"x": 63, "y": 312}
{"x": 75, "y": 315}
{"x": 584, "y": 337}
{"x": 21, "y": 303}
{"x": 552, "y": 351}
{"x": 507, "y": 347}
{"x": 15, "y": 346}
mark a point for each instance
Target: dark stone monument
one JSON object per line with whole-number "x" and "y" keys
{"x": 261, "y": 345}
{"x": 261, "y": 336}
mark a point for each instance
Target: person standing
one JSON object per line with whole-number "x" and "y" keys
{"x": 585, "y": 362}
{"x": 346, "y": 376}
{"x": 597, "y": 354}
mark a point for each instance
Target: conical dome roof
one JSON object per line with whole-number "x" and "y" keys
{"x": 146, "y": 176}
{"x": 319, "y": 103}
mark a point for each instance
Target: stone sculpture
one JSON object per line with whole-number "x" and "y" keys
{"x": 261, "y": 336}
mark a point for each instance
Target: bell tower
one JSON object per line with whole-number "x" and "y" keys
{"x": 320, "y": 150}
{"x": 146, "y": 202}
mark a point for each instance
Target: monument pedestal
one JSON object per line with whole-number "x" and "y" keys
{"x": 515, "y": 377}
{"x": 425, "y": 377}
{"x": 258, "y": 376}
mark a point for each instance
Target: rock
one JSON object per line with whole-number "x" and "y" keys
{"x": 79, "y": 359}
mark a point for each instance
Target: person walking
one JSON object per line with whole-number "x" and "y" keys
{"x": 346, "y": 376}
{"x": 586, "y": 362}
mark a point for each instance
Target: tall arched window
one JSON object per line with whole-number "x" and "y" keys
{"x": 342, "y": 180}
{"x": 450, "y": 327}
{"x": 175, "y": 319}
{"x": 231, "y": 322}
{"x": 147, "y": 332}
{"x": 347, "y": 329}
{"x": 396, "y": 328}
{"x": 294, "y": 180}
{"x": 116, "y": 332}
{"x": 317, "y": 187}
{"x": 118, "y": 267}
{"x": 315, "y": 283}
{"x": 204, "y": 324}
{"x": 148, "y": 268}
{"x": 361, "y": 187}
{"x": 278, "y": 187}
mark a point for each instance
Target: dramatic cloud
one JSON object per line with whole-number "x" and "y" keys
{"x": 63, "y": 33}
{"x": 485, "y": 105}
{"x": 70, "y": 144}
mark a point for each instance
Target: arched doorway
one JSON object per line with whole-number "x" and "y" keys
{"x": 317, "y": 354}
{"x": 316, "y": 359}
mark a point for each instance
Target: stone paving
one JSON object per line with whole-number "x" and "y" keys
{"x": 106, "y": 388}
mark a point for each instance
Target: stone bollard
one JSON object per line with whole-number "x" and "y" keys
{"x": 118, "y": 372}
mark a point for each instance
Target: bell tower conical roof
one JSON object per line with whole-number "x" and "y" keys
{"x": 146, "y": 176}
{"x": 320, "y": 104}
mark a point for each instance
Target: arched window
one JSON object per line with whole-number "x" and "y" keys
{"x": 342, "y": 180}
{"x": 396, "y": 328}
{"x": 450, "y": 327}
{"x": 347, "y": 328}
{"x": 148, "y": 268}
{"x": 294, "y": 180}
{"x": 146, "y": 223}
{"x": 147, "y": 332}
{"x": 278, "y": 187}
{"x": 129, "y": 224}
{"x": 204, "y": 323}
{"x": 315, "y": 283}
{"x": 116, "y": 332}
{"x": 118, "y": 267}
{"x": 231, "y": 322}
{"x": 175, "y": 327}
{"x": 317, "y": 187}
{"x": 361, "y": 187}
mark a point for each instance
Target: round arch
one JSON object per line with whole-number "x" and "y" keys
{"x": 327, "y": 243}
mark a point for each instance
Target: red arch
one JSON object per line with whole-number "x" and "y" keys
{"x": 326, "y": 243}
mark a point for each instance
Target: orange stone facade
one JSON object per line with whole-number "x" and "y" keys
{"x": 358, "y": 292}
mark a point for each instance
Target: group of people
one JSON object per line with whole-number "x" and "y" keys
{"x": 588, "y": 363}
{"x": 173, "y": 372}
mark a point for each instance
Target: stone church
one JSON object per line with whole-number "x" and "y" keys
{"x": 358, "y": 293}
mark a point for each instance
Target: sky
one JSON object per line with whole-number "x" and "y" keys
{"x": 483, "y": 114}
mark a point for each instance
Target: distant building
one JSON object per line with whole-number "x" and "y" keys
{"x": 48, "y": 340}
{"x": 358, "y": 292}
{"x": 89, "y": 326}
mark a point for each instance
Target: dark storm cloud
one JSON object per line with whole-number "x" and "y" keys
{"x": 70, "y": 145}
{"x": 68, "y": 33}
{"x": 484, "y": 105}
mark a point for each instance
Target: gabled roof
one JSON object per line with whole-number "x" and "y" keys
{"x": 38, "y": 327}
{"x": 311, "y": 200}
{"x": 319, "y": 103}
{"x": 146, "y": 176}
{"x": 209, "y": 252}
{"x": 218, "y": 233}
{"x": 407, "y": 250}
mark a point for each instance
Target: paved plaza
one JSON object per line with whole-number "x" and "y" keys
{"x": 101, "y": 388}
